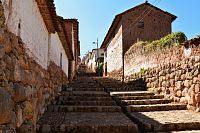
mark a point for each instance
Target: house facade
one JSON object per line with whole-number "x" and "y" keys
{"x": 72, "y": 27}
{"x": 144, "y": 22}
{"x": 96, "y": 56}
{"x": 36, "y": 53}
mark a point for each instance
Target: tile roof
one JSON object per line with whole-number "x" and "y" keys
{"x": 118, "y": 18}
{"x": 48, "y": 12}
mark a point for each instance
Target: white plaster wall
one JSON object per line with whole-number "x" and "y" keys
{"x": 73, "y": 50}
{"x": 56, "y": 48}
{"x": 114, "y": 52}
{"x": 24, "y": 19}
{"x": 94, "y": 63}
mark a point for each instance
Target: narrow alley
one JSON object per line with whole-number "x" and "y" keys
{"x": 85, "y": 107}
{"x": 99, "y": 67}
{"x": 95, "y": 105}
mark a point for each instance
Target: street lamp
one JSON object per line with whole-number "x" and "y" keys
{"x": 97, "y": 48}
{"x": 97, "y": 56}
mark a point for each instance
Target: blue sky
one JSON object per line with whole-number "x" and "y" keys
{"x": 96, "y": 16}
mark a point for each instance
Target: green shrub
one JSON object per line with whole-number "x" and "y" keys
{"x": 141, "y": 72}
{"x": 173, "y": 38}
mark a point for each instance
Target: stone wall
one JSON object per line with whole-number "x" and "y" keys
{"x": 175, "y": 76}
{"x": 136, "y": 57}
{"x": 25, "y": 86}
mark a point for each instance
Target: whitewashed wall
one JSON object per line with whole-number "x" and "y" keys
{"x": 56, "y": 48}
{"x": 24, "y": 19}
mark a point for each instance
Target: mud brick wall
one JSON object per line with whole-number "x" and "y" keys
{"x": 25, "y": 87}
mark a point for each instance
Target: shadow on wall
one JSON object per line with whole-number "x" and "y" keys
{"x": 138, "y": 84}
{"x": 117, "y": 85}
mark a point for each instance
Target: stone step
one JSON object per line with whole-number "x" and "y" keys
{"x": 94, "y": 122}
{"x": 156, "y": 107}
{"x": 88, "y": 89}
{"x": 120, "y": 89}
{"x": 86, "y": 86}
{"x": 140, "y": 97}
{"x": 131, "y": 93}
{"x": 86, "y": 93}
{"x": 81, "y": 98}
{"x": 188, "y": 131}
{"x": 85, "y": 103}
{"x": 145, "y": 101}
{"x": 65, "y": 108}
{"x": 173, "y": 121}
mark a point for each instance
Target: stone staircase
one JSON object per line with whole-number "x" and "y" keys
{"x": 145, "y": 101}
{"x": 84, "y": 107}
{"x": 153, "y": 113}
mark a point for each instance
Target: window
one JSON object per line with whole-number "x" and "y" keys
{"x": 140, "y": 24}
{"x": 61, "y": 60}
{"x": 102, "y": 54}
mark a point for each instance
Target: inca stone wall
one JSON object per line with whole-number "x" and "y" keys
{"x": 136, "y": 57}
{"x": 25, "y": 86}
{"x": 178, "y": 78}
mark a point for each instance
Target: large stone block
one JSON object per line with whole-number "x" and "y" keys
{"x": 186, "y": 83}
{"x": 18, "y": 73}
{"x": 192, "y": 100}
{"x": 197, "y": 98}
{"x": 185, "y": 91}
{"x": 6, "y": 106}
{"x": 183, "y": 100}
{"x": 7, "y": 44}
{"x": 8, "y": 61}
{"x": 196, "y": 72}
{"x": 27, "y": 110}
{"x": 179, "y": 85}
{"x": 177, "y": 78}
{"x": 172, "y": 82}
{"x": 189, "y": 76}
{"x": 197, "y": 88}
{"x": 26, "y": 128}
{"x": 21, "y": 92}
{"x": 183, "y": 77}
{"x": 2, "y": 51}
{"x": 195, "y": 80}
{"x": 19, "y": 116}
{"x": 179, "y": 93}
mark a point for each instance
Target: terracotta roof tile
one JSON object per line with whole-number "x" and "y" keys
{"x": 48, "y": 12}
{"x": 118, "y": 18}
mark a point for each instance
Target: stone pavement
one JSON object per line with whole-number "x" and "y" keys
{"x": 104, "y": 105}
{"x": 84, "y": 107}
{"x": 153, "y": 113}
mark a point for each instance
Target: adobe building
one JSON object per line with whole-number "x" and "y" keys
{"x": 72, "y": 30}
{"x": 35, "y": 55}
{"x": 144, "y": 22}
{"x": 97, "y": 55}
